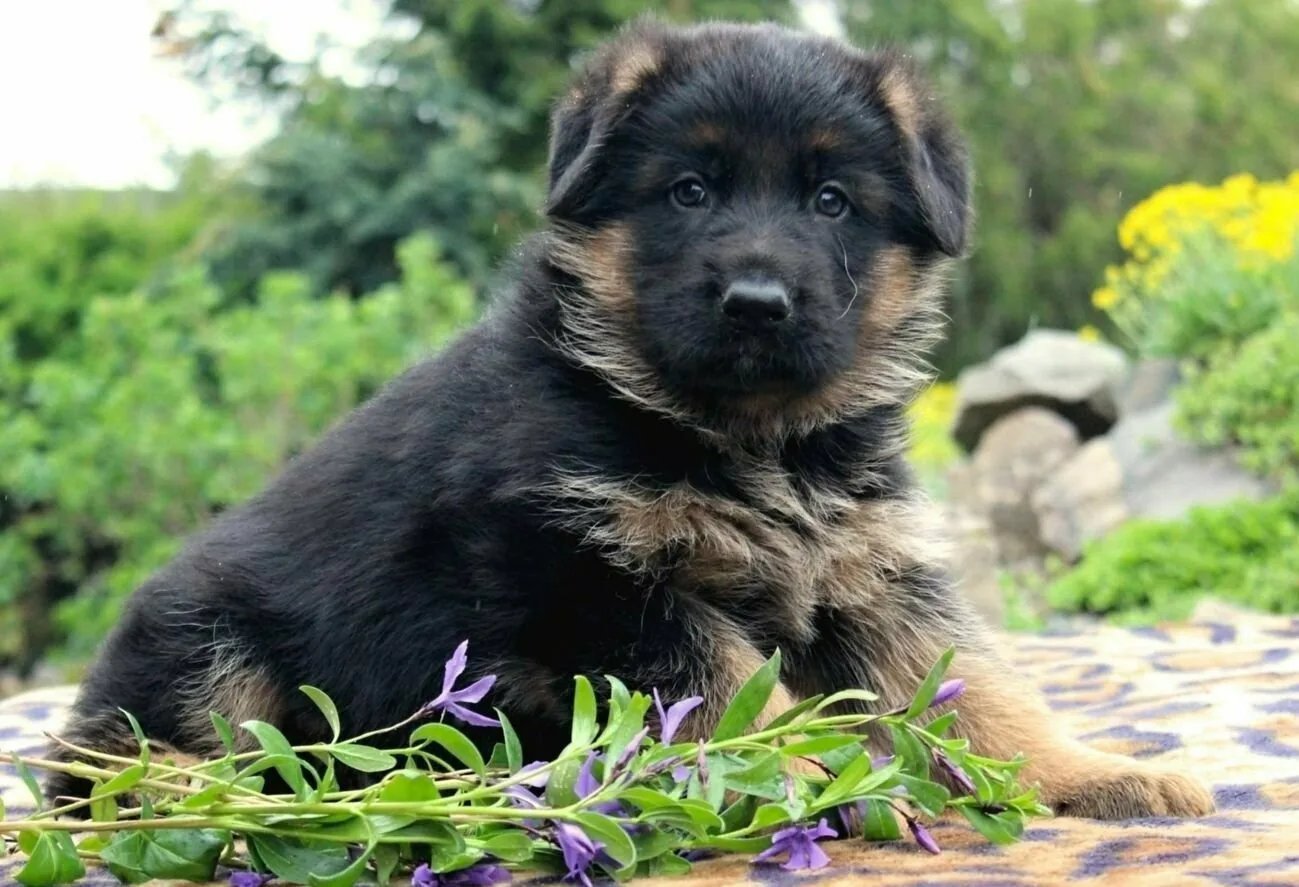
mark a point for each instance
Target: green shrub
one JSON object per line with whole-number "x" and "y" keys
{"x": 1247, "y": 552}
{"x": 1250, "y": 396}
{"x": 164, "y": 407}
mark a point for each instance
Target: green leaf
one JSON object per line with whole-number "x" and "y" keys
{"x": 224, "y": 731}
{"x": 646, "y": 798}
{"x": 139, "y": 736}
{"x": 910, "y": 750}
{"x": 761, "y": 778}
{"x": 701, "y": 814}
{"x": 819, "y": 745}
{"x": 584, "y": 722}
{"x": 940, "y": 725}
{"x": 847, "y": 696}
{"x": 348, "y": 876}
{"x": 25, "y": 773}
{"x": 770, "y": 814}
{"x": 51, "y": 860}
{"x": 739, "y": 845}
{"x": 618, "y": 693}
{"x": 839, "y": 758}
{"x": 296, "y": 861}
{"x": 857, "y": 779}
{"x": 607, "y": 830}
{"x": 879, "y": 822}
{"x": 667, "y": 865}
{"x": 453, "y": 741}
{"x": 122, "y": 782}
{"x": 176, "y": 854}
{"x": 363, "y": 757}
{"x": 277, "y": 747}
{"x": 408, "y": 786}
{"x": 386, "y": 859}
{"x": 327, "y": 708}
{"x": 631, "y": 721}
{"x": 929, "y": 686}
{"x": 560, "y": 791}
{"x": 928, "y": 796}
{"x": 510, "y": 845}
{"x": 749, "y": 701}
{"x": 513, "y": 748}
{"x": 796, "y": 711}
{"x": 103, "y": 809}
{"x": 994, "y": 828}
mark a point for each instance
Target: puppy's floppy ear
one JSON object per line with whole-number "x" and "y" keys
{"x": 934, "y": 156}
{"x": 600, "y": 97}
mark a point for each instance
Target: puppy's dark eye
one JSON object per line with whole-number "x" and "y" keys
{"x": 831, "y": 201}
{"x": 689, "y": 193}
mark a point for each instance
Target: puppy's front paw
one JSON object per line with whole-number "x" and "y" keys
{"x": 1130, "y": 793}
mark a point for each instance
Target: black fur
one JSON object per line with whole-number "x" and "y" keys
{"x": 421, "y": 519}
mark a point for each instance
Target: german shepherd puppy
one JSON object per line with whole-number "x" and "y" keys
{"x": 673, "y": 446}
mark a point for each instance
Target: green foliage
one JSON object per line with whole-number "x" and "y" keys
{"x": 648, "y": 803}
{"x": 448, "y": 134}
{"x": 1071, "y": 108}
{"x": 1148, "y": 570}
{"x": 163, "y": 406}
{"x": 1250, "y": 396}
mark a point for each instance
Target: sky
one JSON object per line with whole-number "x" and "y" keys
{"x": 86, "y": 101}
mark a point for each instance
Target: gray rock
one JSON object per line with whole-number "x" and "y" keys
{"x": 1150, "y": 384}
{"x": 1142, "y": 468}
{"x": 1164, "y": 476}
{"x": 1015, "y": 456}
{"x": 1055, "y": 369}
{"x": 1082, "y": 501}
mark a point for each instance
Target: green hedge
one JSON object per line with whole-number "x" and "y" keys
{"x": 1246, "y": 552}
{"x": 163, "y": 405}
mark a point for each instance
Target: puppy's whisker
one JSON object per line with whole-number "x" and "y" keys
{"x": 855, "y": 288}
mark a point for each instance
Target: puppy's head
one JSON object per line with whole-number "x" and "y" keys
{"x": 754, "y": 216}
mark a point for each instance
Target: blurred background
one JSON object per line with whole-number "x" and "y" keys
{"x": 223, "y": 224}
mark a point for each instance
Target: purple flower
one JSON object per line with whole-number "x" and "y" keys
{"x": 948, "y": 691}
{"x": 588, "y": 785}
{"x": 953, "y": 769}
{"x": 451, "y": 701}
{"x": 481, "y": 875}
{"x": 670, "y": 720}
{"x": 633, "y": 746}
{"x": 680, "y": 773}
{"x": 248, "y": 879}
{"x": 881, "y": 762}
{"x": 922, "y": 836}
{"x": 579, "y": 852}
{"x": 799, "y": 841}
{"x": 537, "y": 781}
{"x": 851, "y": 816}
{"x": 586, "y": 782}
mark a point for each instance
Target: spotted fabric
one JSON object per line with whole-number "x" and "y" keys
{"x": 1218, "y": 698}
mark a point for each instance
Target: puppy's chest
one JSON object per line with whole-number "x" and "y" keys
{"x": 776, "y": 548}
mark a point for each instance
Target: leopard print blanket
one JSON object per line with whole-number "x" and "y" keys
{"x": 1218, "y": 697}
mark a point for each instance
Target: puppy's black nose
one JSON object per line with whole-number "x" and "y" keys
{"x": 756, "y": 303}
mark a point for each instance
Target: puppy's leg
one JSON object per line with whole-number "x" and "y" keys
{"x": 890, "y": 646}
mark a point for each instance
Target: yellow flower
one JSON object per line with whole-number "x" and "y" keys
{"x": 1089, "y": 333}
{"x": 1105, "y": 298}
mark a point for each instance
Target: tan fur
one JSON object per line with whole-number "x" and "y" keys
{"x": 233, "y": 688}
{"x": 807, "y": 547}
{"x": 729, "y": 662}
{"x": 1002, "y": 716}
{"x": 900, "y": 99}
{"x": 637, "y": 63}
